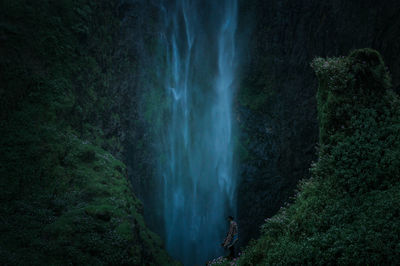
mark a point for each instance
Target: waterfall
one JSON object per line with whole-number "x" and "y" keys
{"x": 197, "y": 176}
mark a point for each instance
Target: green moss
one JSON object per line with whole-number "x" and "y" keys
{"x": 253, "y": 99}
{"x": 125, "y": 230}
{"x": 242, "y": 150}
{"x": 102, "y": 212}
{"x": 346, "y": 213}
{"x": 85, "y": 209}
{"x": 66, "y": 198}
{"x": 155, "y": 99}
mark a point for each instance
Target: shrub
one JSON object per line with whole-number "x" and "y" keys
{"x": 347, "y": 212}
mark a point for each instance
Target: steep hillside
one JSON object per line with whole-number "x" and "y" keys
{"x": 348, "y": 212}
{"x": 276, "y": 107}
{"x": 66, "y": 198}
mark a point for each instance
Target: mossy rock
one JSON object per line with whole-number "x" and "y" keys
{"x": 125, "y": 230}
{"x": 347, "y": 212}
{"x": 88, "y": 156}
{"x": 369, "y": 70}
{"x": 103, "y": 212}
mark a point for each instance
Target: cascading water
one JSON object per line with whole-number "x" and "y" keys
{"x": 196, "y": 171}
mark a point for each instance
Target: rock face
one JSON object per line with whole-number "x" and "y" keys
{"x": 276, "y": 105}
{"x": 347, "y": 212}
{"x": 68, "y": 104}
{"x": 140, "y": 39}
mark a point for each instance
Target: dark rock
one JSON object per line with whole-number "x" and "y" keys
{"x": 282, "y": 132}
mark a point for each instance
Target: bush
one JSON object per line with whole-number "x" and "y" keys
{"x": 347, "y": 212}
{"x": 64, "y": 198}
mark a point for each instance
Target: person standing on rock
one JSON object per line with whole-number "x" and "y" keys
{"x": 231, "y": 238}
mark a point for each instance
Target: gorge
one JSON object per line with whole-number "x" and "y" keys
{"x": 130, "y": 130}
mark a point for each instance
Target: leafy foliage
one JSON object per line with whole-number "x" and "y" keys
{"x": 65, "y": 196}
{"x": 348, "y": 211}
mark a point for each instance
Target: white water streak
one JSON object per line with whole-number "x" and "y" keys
{"x": 198, "y": 174}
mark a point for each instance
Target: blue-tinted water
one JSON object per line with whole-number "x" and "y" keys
{"x": 198, "y": 177}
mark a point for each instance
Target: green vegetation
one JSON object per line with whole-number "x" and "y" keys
{"x": 65, "y": 196}
{"x": 348, "y": 211}
{"x": 258, "y": 89}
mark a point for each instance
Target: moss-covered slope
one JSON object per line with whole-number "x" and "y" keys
{"x": 348, "y": 212}
{"x": 65, "y": 197}
{"x": 79, "y": 210}
{"x": 276, "y": 107}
